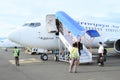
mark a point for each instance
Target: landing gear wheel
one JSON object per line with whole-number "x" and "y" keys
{"x": 44, "y": 57}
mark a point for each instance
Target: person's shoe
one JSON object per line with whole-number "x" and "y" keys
{"x": 75, "y": 71}
{"x": 99, "y": 64}
{"x": 102, "y": 65}
{"x": 18, "y": 65}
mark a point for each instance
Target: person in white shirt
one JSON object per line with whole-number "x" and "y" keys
{"x": 100, "y": 52}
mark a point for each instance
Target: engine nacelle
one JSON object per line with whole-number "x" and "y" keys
{"x": 117, "y": 45}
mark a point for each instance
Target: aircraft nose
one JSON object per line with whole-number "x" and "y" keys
{"x": 14, "y": 36}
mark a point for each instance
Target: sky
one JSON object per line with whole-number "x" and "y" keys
{"x": 14, "y": 13}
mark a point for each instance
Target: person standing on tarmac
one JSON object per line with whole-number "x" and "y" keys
{"x": 80, "y": 47}
{"x": 74, "y": 56}
{"x": 100, "y": 52}
{"x": 16, "y": 55}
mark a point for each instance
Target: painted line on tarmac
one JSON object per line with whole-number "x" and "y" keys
{"x": 25, "y": 61}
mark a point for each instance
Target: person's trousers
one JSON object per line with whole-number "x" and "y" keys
{"x": 101, "y": 59}
{"x": 17, "y": 61}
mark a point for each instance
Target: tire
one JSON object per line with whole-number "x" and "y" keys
{"x": 44, "y": 57}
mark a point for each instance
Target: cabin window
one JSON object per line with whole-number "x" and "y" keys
{"x": 86, "y": 28}
{"x": 95, "y": 28}
{"x": 81, "y": 23}
{"x": 92, "y": 28}
{"x": 106, "y": 30}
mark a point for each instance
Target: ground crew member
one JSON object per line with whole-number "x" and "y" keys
{"x": 16, "y": 55}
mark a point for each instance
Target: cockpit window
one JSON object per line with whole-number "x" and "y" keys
{"x": 32, "y": 24}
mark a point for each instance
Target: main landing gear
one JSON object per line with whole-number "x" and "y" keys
{"x": 44, "y": 57}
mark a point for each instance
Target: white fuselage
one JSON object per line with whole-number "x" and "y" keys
{"x": 35, "y": 37}
{"x": 40, "y": 37}
{"x": 107, "y": 31}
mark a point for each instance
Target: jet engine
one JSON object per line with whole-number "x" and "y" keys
{"x": 117, "y": 45}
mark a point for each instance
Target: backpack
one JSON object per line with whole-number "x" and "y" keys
{"x": 18, "y": 52}
{"x": 105, "y": 51}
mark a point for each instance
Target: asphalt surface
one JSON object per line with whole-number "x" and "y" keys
{"x": 33, "y": 68}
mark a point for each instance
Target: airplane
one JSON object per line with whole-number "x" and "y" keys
{"x": 46, "y": 36}
{"x": 6, "y": 43}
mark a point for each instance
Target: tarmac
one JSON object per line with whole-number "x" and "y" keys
{"x": 33, "y": 68}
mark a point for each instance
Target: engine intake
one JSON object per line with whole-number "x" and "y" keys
{"x": 117, "y": 46}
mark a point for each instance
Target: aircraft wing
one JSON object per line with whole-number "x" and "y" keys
{"x": 110, "y": 42}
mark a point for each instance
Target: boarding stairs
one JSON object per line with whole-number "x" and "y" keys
{"x": 86, "y": 56}
{"x": 76, "y": 31}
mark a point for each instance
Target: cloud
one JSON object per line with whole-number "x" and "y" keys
{"x": 5, "y": 29}
{"x": 17, "y": 12}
